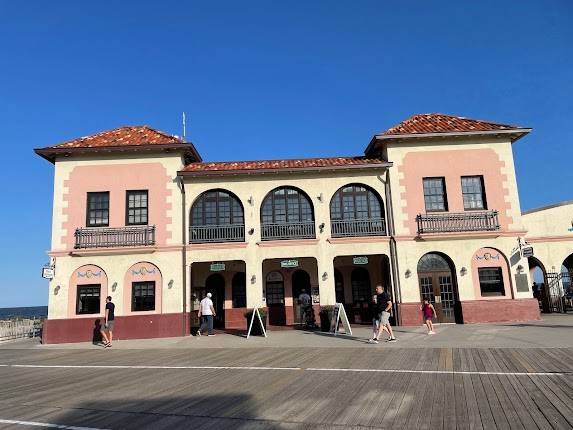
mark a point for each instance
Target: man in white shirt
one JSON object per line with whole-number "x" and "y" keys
{"x": 206, "y": 313}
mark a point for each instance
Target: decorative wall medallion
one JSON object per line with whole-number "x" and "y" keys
{"x": 142, "y": 271}
{"x": 89, "y": 274}
{"x": 487, "y": 256}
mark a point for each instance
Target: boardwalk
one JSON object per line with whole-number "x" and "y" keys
{"x": 308, "y": 387}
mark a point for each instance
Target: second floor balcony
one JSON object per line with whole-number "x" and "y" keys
{"x": 288, "y": 230}
{"x": 217, "y": 233}
{"x": 358, "y": 227}
{"x": 458, "y": 222}
{"x": 113, "y": 237}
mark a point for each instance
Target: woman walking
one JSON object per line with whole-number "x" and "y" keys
{"x": 429, "y": 313}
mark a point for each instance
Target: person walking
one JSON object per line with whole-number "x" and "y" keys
{"x": 384, "y": 304}
{"x": 429, "y": 313}
{"x": 206, "y": 313}
{"x": 107, "y": 328}
{"x": 376, "y": 311}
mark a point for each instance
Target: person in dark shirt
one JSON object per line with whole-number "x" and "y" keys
{"x": 383, "y": 308}
{"x": 107, "y": 328}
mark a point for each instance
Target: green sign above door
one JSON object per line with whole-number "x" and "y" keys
{"x": 360, "y": 260}
{"x": 289, "y": 264}
{"x": 217, "y": 267}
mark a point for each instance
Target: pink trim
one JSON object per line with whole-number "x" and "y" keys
{"x": 86, "y": 275}
{"x": 117, "y": 179}
{"x": 549, "y": 239}
{"x": 126, "y": 250}
{"x": 273, "y": 243}
{"x": 459, "y": 235}
{"x": 359, "y": 239}
{"x": 497, "y": 259}
{"x": 141, "y": 272}
{"x": 452, "y": 164}
{"x": 224, "y": 245}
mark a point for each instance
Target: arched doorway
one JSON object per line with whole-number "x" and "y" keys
{"x": 361, "y": 294}
{"x": 300, "y": 281}
{"x": 436, "y": 277}
{"x": 339, "y": 286}
{"x": 239, "y": 290}
{"x": 538, "y": 277}
{"x": 275, "y": 295}
{"x": 215, "y": 284}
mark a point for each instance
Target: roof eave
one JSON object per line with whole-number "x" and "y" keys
{"x": 295, "y": 170}
{"x": 517, "y": 132}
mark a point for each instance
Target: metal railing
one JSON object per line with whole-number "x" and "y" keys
{"x": 217, "y": 233}
{"x": 290, "y": 230}
{"x": 358, "y": 227}
{"x": 112, "y": 237}
{"x": 18, "y": 329}
{"x": 457, "y": 222}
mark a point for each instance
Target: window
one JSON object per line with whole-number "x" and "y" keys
{"x": 360, "y": 280}
{"x": 143, "y": 296}
{"x": 136, "y": 207}
{"x": 435, "y": 194}
{"x": 473, "y": 193}
{"x": 286, "y": 205}
{"x": 491, "y": 281}
{"x": 355, "y": 202}
{"x": 217, "y": 208}
{"x": 88, "y": 299}
{"x": 98, "y": 209}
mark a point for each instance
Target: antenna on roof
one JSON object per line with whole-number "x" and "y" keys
{"x": 183, "y": 125}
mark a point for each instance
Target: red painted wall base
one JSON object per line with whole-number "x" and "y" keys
{"x": 128, "y": 327}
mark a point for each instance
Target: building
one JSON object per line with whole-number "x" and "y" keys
{"x": 430, "y": 210}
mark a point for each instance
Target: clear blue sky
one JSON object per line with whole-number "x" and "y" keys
{"x": 261, "y": 79}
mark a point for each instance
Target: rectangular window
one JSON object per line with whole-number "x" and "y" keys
{"x": 473, "y": 193}
{"x": 143, "y": 296}
{"x": 491, "y": 281}
{"x": 136, "y": 207}
{"x": 435, "y": 197}
{"x": 88, "y": 299}
{"x": 98, "y": 210}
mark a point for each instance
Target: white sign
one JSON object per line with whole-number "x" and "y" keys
{"x": 256, "y": 312}
{"x": 339, "y": 316}
{"x": 48, "y": 272}
{"x": 289, "y": 264}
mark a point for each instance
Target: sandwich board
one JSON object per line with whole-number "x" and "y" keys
{"x": 339, "y": 316}
{"x": 256, "y": 312}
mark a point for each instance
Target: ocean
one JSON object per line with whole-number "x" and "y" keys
{"x": 25, "y": 312}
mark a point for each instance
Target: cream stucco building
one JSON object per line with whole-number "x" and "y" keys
{"x": 431, "y": 210}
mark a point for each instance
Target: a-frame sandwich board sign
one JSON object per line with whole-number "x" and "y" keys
{"x": 339, "y": 316}
{"x": 256, "y": 312}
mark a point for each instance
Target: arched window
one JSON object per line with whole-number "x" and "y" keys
{"x": 217, "y": 216}
{"x": 357, "y": 210}
{"x": 239, "y": 290}
{"x": 286, "y": 213}
{"x": 433, "y": 263}
{"x": 361, "y": 290}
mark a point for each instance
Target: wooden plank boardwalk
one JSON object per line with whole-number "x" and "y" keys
{"x": 406, "y": 388}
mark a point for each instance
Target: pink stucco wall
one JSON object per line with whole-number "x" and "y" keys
{"x": 453, "y": 164}
{"x": 141, "y": 272}
{"x": 490, "y": 257}
{"x": 117, "y": 179}
{"x": 85, "y": 275}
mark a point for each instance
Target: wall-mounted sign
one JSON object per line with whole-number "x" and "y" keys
{"x": 289, "y": 264}
{"x": 48, "y": 272}
{"x": 527, "y": 251}
{"x": 360, "y": 260}
{"x": 217, "y": 267}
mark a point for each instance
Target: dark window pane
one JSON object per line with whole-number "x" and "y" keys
{"x": 97, "y": 214}
{"x": 434, "y": 194}
{"x": 491, "y": 281}
{"x": 143, "y": 296}
{"x": 473, "y": 192}
{"x": 137, "y": 209}
{"x": 88, "y": 299}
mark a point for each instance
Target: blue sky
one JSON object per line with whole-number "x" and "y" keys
{"x": 262, "y": 79}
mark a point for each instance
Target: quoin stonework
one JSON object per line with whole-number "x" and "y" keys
{"x": 430, "y": 210}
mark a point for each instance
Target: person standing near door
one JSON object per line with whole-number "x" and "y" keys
{"x": 107, "y": 329}
{"x": 206, "y": 313}
{"x": 304, "y": 300}
{"x": 429, "y": 313}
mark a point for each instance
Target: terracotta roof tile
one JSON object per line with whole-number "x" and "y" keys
{"x": 123, "y": 136}
{"x": 282, "y": 164}
{"x": 441, "y": 123}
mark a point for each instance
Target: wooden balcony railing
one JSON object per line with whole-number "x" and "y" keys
{"x": 113, "y": 237}
{"x": 217, "y": 233}
{"x": 290, "y": 230}
{"x": 458, "y": 222}
{"x": 358, "y": 227}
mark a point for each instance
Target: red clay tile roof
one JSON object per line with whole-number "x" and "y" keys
{"x": 306, "y": 163}
{"x": 441, "y": 123}
{"x": 123, "y": 136}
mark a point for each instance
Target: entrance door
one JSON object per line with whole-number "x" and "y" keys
{"x": 275, "y": 294}
{"x": 300, "y": 281}
{"x": 437, "y": 286}
{"x": 215, "y": 284}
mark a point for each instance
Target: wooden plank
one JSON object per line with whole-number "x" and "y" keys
{"x": 437, "y": 415}
{"x": 552, "y": 415}
{"x": 558, "y": 399}
{"x": 424, "y": 420}
{"x": 473, "y": 413}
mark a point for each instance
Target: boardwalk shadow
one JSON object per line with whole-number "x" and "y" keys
{"x": 233, "y": 411}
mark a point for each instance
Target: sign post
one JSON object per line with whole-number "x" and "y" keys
{"x": 256, "y": 311}
{"x": 339, "y": 316}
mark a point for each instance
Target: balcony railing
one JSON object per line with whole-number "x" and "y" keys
{"x": 358, "y": 227}
{"x": 217, "y": 233}
{"x": 285, "y": 231}
{"x": 457, "y": 222}
{"x": 113, "y": 237}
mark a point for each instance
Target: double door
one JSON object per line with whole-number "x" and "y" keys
{"x": 438, "y": 289}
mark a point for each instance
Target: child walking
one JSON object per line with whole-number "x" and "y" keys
{"x": 429, "y": 313}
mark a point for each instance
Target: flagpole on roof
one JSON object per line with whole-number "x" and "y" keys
{"x": 183, "y": 125}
